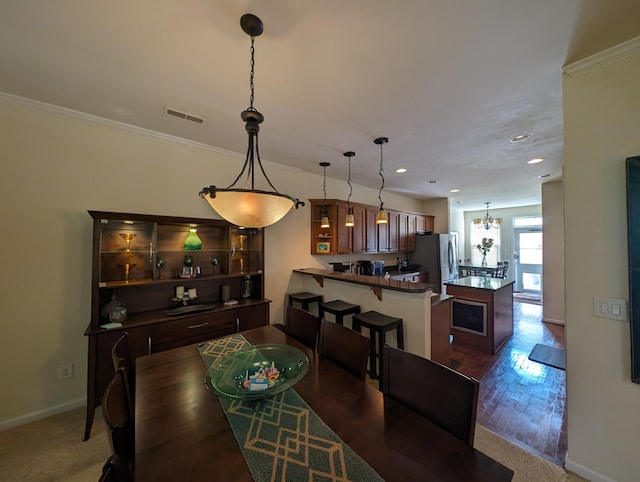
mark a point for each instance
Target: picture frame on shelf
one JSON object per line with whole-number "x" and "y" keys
{"x": 323, "y": 247}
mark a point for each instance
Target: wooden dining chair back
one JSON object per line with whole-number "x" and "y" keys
{"x": 345, "y": 347}
{"x": 444, "y": 396}
{"x": 122, "y": 357}
{"x": 303, "y": 326}
{"x": 118, "y": 416}
{"x": 114, "y": 471}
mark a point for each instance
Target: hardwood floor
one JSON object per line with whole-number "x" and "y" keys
{"x": 521, "y": 400}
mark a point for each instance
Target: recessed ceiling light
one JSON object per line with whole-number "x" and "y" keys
{"x": 455, "y": 190}
{"x": 543, "y": 175}
{"x": 520, "y": 138}
{"x": 400, "y": 170}
{"x": 535, "y": 161}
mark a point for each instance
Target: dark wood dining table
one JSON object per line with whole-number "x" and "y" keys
{"x": 182, "y": 432}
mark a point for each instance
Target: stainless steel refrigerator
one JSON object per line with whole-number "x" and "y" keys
{"x": 436, "y": 253}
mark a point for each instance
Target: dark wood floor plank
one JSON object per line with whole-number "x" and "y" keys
{"x": 521, "y": 400}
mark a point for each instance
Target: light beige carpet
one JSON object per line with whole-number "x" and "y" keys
{"x": 52, "y": 450}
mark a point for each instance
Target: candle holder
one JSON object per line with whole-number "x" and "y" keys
{"x": 128, "y": 237}
{"x": 127, "y": 269}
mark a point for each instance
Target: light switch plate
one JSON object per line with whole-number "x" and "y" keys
{"x": 612, "y": 308}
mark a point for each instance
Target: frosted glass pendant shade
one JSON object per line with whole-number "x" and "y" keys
{"x": 349, "y": 221}
{"x": 381, "y": 217}
{"x": 250, "y": 209}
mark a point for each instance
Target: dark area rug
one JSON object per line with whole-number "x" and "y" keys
{"x": 548, "y": 355}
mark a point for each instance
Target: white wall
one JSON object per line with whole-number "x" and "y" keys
{"x": 55, "y": 167}
{"x": 602, "y": 129}
{"x": 553, "y": 253}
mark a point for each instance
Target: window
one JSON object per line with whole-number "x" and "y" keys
{"x": 476, "y": 235}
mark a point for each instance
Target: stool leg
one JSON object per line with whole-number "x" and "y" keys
{"x": 339, "y": 319}
{"x": 400, "y": 337}
{"x": 381, "y": 342}
{"x": 372, "y": 355}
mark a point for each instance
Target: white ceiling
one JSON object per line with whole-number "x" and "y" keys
{"x": 450, "y": 82}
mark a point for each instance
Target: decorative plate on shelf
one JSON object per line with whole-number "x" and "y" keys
{"x": 249, "y": 374}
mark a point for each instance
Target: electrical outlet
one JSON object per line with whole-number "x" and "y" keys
{"x": 610, "y": 308}
{"x": 65, "y": 371}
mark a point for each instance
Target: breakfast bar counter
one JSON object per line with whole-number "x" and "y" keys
{"x": 401, "y": 299}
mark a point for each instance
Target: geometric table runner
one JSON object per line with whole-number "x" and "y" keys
{"x": 281, "y": 438}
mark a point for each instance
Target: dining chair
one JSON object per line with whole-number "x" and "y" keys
{"x": 345, "y": 347}
{"x": 446, "y": 397}
{"x": 117, "y": 414}
{"x": 122, "y": 357}
{"x": 113, "y": 471}
{"x": 303, "y": 326}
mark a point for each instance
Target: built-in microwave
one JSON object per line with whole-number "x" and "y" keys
{"x": 469, "y": 316}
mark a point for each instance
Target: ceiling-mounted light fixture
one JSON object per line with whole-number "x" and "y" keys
{"x": 487, "y": 222}
{"x": 324, "y": 222}
{"x": 349, "y": 220}
{"x": 250, "y": 207}
{"x": 381, "y": 217}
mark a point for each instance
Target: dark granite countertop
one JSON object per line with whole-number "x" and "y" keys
{"x": 373, "y": 281}
{"x": 480, "y": 282}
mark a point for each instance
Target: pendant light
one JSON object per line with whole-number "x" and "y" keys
{"x": 349, "y": 220}
{"x": 250, "y": 207}
{"x": 381, "y": 217}
{"x": 324, "y": 222}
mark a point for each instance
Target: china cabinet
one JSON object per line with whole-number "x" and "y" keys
{"x": 168, "y": 273}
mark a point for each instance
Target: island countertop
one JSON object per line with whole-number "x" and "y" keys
{"x": 372, "y": 281}
{"x": 480, "y": 282}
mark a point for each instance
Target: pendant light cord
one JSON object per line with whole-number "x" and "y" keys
{"x": 380, "y": 173}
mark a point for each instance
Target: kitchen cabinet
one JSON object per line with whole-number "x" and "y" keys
{"x": 397, "y": 236}
{"x": 144, "y": 262}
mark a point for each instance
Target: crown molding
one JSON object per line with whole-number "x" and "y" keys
{"x": 36, "y": 104}
{"x": 601, "y": 59}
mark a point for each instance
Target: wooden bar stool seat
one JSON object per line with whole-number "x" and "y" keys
{"x": 339, "y": 309}
{"x": 305, "y": 299}
{"x": 378, "y": 325}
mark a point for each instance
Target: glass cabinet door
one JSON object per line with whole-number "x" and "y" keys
{"x": 246, "y": 250}
{"x": 126, "y": 252}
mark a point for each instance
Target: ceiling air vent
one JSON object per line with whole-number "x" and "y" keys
{"x": 184, "y": 115}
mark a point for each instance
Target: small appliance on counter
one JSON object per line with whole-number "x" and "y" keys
{"x": 366, "y": 267}
{"x": 378, "y": 268}
{"x": 341, "y": 267}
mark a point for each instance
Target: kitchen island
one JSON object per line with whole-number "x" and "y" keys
{"x": 482, "y": 315}
{"x": 403, "y": 299}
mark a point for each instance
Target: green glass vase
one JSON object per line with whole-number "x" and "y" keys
{"x": 192, "y": 242}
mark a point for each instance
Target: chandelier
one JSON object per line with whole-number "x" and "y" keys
{"x": 250, "y": 207}
{"x": 487, "y": 222}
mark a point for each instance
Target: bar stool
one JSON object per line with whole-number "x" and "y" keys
{"x": 339, "y": 309}
{"x": 305, "y": 299}
{"x": 378, "y": 325}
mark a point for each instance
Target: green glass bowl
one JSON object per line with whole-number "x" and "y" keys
{"x": 225, "y": 376}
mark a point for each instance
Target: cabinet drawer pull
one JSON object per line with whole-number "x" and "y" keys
{"x": 191, "y": 327}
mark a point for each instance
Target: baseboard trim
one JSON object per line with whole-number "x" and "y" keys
{"x": 551, "y": 320}
{"x": 585, "y": 472}
{"x": 40, "y": 414}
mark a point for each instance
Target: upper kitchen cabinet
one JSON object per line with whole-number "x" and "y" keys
{"x": 366, "y": 236}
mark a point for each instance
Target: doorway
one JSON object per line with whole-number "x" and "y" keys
{"x": 527, "y": 256}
